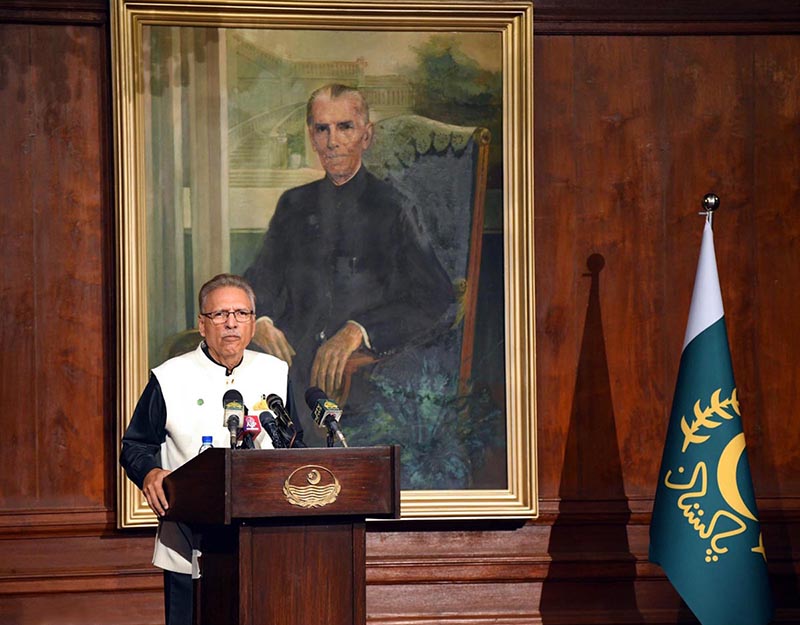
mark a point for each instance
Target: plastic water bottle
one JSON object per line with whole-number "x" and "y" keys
{"x": 207, "y": 444}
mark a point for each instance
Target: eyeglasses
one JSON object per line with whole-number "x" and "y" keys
{"x": 218, "y": 317}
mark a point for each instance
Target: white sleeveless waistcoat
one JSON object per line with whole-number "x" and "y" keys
{"x": 193, "y": 386}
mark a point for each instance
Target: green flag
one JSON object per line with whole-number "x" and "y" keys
{"x": 705, "y": 532}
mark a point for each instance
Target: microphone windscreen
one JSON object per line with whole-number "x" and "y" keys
{"x": 266, "y": 417}
{"x": 274, "y": 401}
{"x": 231, "y": 396}
{"x": 313, "y": 395}
{"x": 322, "y": 408}
{"x": 269, "y": 424}
{"x": 276, "y": 405}
{"x": 233, "y": 405}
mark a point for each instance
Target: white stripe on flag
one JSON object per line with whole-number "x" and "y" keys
{"x": 706, "y": 306}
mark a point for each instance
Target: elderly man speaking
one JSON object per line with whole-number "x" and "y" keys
{"x": 182, "y": 403}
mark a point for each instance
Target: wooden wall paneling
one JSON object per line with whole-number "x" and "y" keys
{"x": 56, "y": 564}
{"x": 470, "y": 572}
{"x": 623, "y": 17}
{"x": 775, "y": 385}
{"x": 558, "y": 320}
{"x": 96, "y": 579}
{"x": 708, "y": 87}
{"x": 70, "y": 268}
{"x": 506, "y": 575}
{"x": 619, "y": 217}
{"x": 456, "y": 604}
{"x": 54, "y": 347}
{"x": 17, "y": 356}
{"x": 60, "y": 562}
{"x": 690, "y": 126}
{"x": 714, "y": 109}
{"x": 772, "y": 390}
{"x": 711, "y": 121}
{"x": 702, "y": 141}
{"x": 87, "y": 608}
{"x": 601, "y": 129}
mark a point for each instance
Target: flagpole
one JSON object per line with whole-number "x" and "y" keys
{"x": 710, "y": 204}
{"x": 705, "y": 531}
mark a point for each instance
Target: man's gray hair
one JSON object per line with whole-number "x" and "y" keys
{"x": 222, "y": 280}
{"x": 334, "y": 91}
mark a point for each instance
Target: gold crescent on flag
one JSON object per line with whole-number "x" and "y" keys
{"x": 726, "y": 476}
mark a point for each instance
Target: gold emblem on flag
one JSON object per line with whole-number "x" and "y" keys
{"x": 723, "y": 523}
{"x": 702, "y": 417}
{"x": 311, "y": 486}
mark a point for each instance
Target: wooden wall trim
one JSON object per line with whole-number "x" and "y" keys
{"x": 77, "y": 12}
{"x": 565, "y": 617}
{"x": 68, "y": 6}
{"x": 30, "y": 523}
{"x": 99, "y": 580}
{"x": 576, "y": 26}
{"x": 71, "y": 564}
{"x": 624, "y": 17}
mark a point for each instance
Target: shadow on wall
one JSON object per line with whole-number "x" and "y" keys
{"x": 592, "y": 571}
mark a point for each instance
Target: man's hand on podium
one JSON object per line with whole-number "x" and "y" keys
{"x": 153, "y": 489}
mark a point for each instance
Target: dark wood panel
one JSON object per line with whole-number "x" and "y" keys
{"x": 558, "y": 317}
{"x": 93, "y": 580}
{"x": 55, "y": 11}
{"x": 135, "y": 607}
{"x": 770, "y": 356}
{"x": 69, "y": 7}
{"x": 656, "y": 123}
{"x": 48, "y": 523}
{"x": 630, "y": 133}
{"x": 708, "y": 96}
{"x": 18, "y": 354}
{"x": 619, "y": 238}
{"x": 324, "y": 551}
{"x": 674, "y": 18}
{"x": 54, "y": 269}
{"x": 51, "y": 564}
{"x": 518, "y": 576}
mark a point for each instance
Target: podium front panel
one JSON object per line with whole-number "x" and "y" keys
{"x": 303, "y": 574}
{"x": 222, "y": 485}
{"x": 359, "y": 482}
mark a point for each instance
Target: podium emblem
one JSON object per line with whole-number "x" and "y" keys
{"x": 311, "y": 486}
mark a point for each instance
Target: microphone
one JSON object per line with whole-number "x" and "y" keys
{"x": 271, "y": 426}
{"x": 326, "y": 414}
{"x": 233, "y": 406}
{"x": 275, "y": 404}
{"x": 250, "y": 431}
{"x": 285, "y": 422}
{"x": 233, "y": 429}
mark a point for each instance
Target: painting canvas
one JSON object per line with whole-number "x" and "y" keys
{"x": 222, "y": 116}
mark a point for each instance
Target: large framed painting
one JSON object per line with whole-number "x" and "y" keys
{"x": 213, "y": 134}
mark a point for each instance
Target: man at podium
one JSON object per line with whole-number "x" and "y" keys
{"x": 183, "y": 403}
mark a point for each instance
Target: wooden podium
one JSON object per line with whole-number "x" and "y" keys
{"x": 283, "y": 531}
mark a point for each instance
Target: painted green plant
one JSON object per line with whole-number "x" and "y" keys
{"x": 444, "y": 436}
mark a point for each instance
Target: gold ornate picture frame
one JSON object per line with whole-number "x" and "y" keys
{"x": 209, "y": 106}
